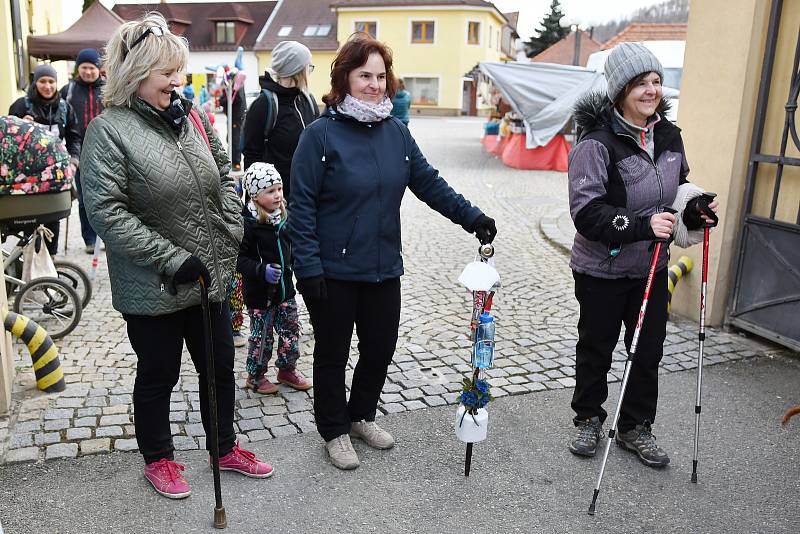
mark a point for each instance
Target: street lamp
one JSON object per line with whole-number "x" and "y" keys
{"x": 576, "y": 26}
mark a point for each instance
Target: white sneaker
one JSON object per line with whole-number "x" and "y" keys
{"x": 372, "y": 434}
{"x": 342, "y": 453}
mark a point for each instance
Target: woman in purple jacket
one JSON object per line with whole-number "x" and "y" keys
{"x": 627, "y": 166}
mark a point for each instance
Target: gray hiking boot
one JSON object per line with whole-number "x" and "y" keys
{"x": 590, "y": 432}
{"x": 342, "y": 453}
{"x": 642, "y": 442}
{"x": 372, "y": 434}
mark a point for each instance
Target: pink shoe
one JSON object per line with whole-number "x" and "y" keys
{"x": 292, "y": 378}
{"x": 244, "y": 462}
{"x": 166, "y": 478}
{"x": 264, "y": 386}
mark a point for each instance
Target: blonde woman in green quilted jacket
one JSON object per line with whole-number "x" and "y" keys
{"x": 157, "y": 190}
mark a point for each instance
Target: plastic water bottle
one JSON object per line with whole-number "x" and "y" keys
{"x": 483, "y": 350}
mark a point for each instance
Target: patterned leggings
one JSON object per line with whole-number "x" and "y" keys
{"x": 236, "y": 302}
{"x": 264, "y": 324}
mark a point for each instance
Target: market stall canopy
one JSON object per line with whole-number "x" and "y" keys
{"x": 92, "y": 30}
{"x": 544, "y": 94}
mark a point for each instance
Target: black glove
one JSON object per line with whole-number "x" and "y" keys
{"x": 189, "y": 271}
{"x": 484, "y": 229}
{"x": 313, "y": 288}
{"x": 691, "y": 214}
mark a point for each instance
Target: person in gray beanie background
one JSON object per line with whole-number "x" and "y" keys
{"x": 43, "y": 105}
{"x": 273, "y": 125}
{"x": 627, "y": 166}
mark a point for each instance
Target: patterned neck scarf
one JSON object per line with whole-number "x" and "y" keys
{"x": 365, "y": 111}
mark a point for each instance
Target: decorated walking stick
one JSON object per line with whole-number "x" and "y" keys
{"x": 472, "y": 419}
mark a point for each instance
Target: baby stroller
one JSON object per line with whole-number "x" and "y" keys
{"x": 35, "y": 188}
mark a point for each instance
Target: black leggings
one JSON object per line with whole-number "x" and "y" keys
{"x": 374, "y": 309}
{"x": 605, "y": 304}
{"x": 158, "y": 343}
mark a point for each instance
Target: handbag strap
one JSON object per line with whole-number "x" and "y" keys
{"x": 194, "y": 117}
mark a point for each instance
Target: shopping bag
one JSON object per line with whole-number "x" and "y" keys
{"x": 36, "y": 260}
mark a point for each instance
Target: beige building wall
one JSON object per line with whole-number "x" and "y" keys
{"x": 447, "y": 59}
{"x": 6, "y": 358}
{"x": 38, "y": 17}
{"x": 722, "y": 66}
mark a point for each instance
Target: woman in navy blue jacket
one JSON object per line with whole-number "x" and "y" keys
{"x": 349, "y": 172}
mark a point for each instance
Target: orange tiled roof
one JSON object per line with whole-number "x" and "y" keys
{"x": 563, "y": 52}
{"x": 649, "y": 31}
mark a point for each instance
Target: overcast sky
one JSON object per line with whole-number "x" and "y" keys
{"x": 531, "y": 11}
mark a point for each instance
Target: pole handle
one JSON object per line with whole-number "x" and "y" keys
{"x": 702, "y": 204}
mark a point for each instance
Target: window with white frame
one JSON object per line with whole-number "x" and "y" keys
{"x": 284, "y": 31}
{"x": 424, "y": 91}
{"x": 323, "y": 30}
{"x": 366, "y": 26}
{"x": 310, "y": 31}
{"x": 422, "y": 31}
{"x": 473, "y": 32}
{"x": 491, "y": 34}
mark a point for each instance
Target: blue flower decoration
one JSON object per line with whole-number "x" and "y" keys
{"x": 483, "y": 386}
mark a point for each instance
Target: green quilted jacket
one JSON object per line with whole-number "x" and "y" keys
{"x": 155, "y": 198}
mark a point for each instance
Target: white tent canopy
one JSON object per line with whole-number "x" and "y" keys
{"x": 544, "y": 94}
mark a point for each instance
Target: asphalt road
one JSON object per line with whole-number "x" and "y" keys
{"x": 523, "y": 477}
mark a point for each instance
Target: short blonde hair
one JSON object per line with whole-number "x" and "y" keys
{"x": 126, "y": 68}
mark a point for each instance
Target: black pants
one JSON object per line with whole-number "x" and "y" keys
{"x": 374, "y": 309}
{"x": 604, "y": 306}
{"x": 87, "y": 232}
{"x": 158, "y": 342}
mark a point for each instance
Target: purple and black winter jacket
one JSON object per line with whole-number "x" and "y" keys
{"x": 615, "y": 187}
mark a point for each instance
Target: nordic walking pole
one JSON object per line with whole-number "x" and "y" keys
{"x": 220, "y": 520}
{"x": 703, "y": 203}
{"x": 658, "y": 243}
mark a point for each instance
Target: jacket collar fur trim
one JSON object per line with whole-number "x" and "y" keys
{"x": 594, "y": 111}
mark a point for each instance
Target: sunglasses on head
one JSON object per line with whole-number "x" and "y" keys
{"x": 158, "y": 31}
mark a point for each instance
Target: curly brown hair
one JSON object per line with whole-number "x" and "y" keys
{"x": 352, "y": 55}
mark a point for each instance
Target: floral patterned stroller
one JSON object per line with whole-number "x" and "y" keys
{"x": 35, "y": 188}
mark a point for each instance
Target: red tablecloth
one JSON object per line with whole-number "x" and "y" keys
{"x": 551, "y": 157}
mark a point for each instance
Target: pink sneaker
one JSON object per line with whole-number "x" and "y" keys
{"x": 166, "y": 478}
{"x": 293, "y": 379}
{"x": 263, "y": 386}
{"x": 244, "y": 462}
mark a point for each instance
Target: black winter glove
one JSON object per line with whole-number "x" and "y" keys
{"x": 484, "y": 229}
{"x": 189, "y": 271}
{"x": 313, "y": 288}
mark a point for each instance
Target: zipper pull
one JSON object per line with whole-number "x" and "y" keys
{"x": 178, "y": 142}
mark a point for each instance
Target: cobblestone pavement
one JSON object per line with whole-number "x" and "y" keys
{"x": 536, "y": 317}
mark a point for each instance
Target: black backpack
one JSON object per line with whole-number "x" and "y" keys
{"x": 271, "y": 102}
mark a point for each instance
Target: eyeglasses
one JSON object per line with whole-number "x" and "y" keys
{"x": 158, "y": 31}
{"x": 310, "y": 68}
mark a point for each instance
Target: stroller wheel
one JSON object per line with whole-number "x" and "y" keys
{"x": 51, "y": 303}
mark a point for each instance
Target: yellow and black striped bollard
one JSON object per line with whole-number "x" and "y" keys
{"x": 675, "y": 273}
{"x": 44, "y": 354}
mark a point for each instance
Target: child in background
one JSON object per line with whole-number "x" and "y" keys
{"x": 265, "y": 265}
